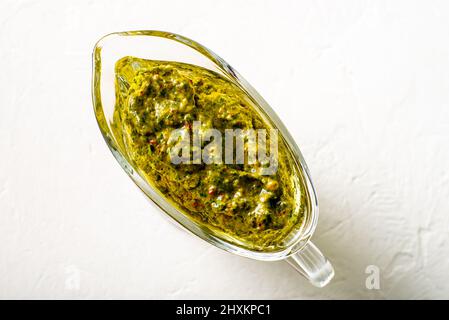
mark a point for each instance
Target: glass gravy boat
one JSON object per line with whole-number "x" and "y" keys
{"x": 302, "y": 254}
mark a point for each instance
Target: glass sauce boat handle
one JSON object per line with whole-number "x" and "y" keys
{"x": 313, "y": 265}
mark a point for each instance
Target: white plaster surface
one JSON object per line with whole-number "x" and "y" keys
{"x": 363, "y": 87}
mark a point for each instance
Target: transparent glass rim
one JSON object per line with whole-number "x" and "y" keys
{"x": 199, "y": 230}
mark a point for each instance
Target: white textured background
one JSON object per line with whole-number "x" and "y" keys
{"x": 363, "y": 87}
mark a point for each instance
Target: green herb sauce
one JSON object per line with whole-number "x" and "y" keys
{"x": 233, "y": 201}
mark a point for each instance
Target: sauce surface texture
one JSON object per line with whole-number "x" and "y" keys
{"x": 236, "y": 202}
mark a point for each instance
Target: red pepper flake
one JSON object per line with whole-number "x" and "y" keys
{"x": 212, "y": 189}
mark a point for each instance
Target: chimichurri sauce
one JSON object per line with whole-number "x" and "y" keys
{"x": 153, "y": 98}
